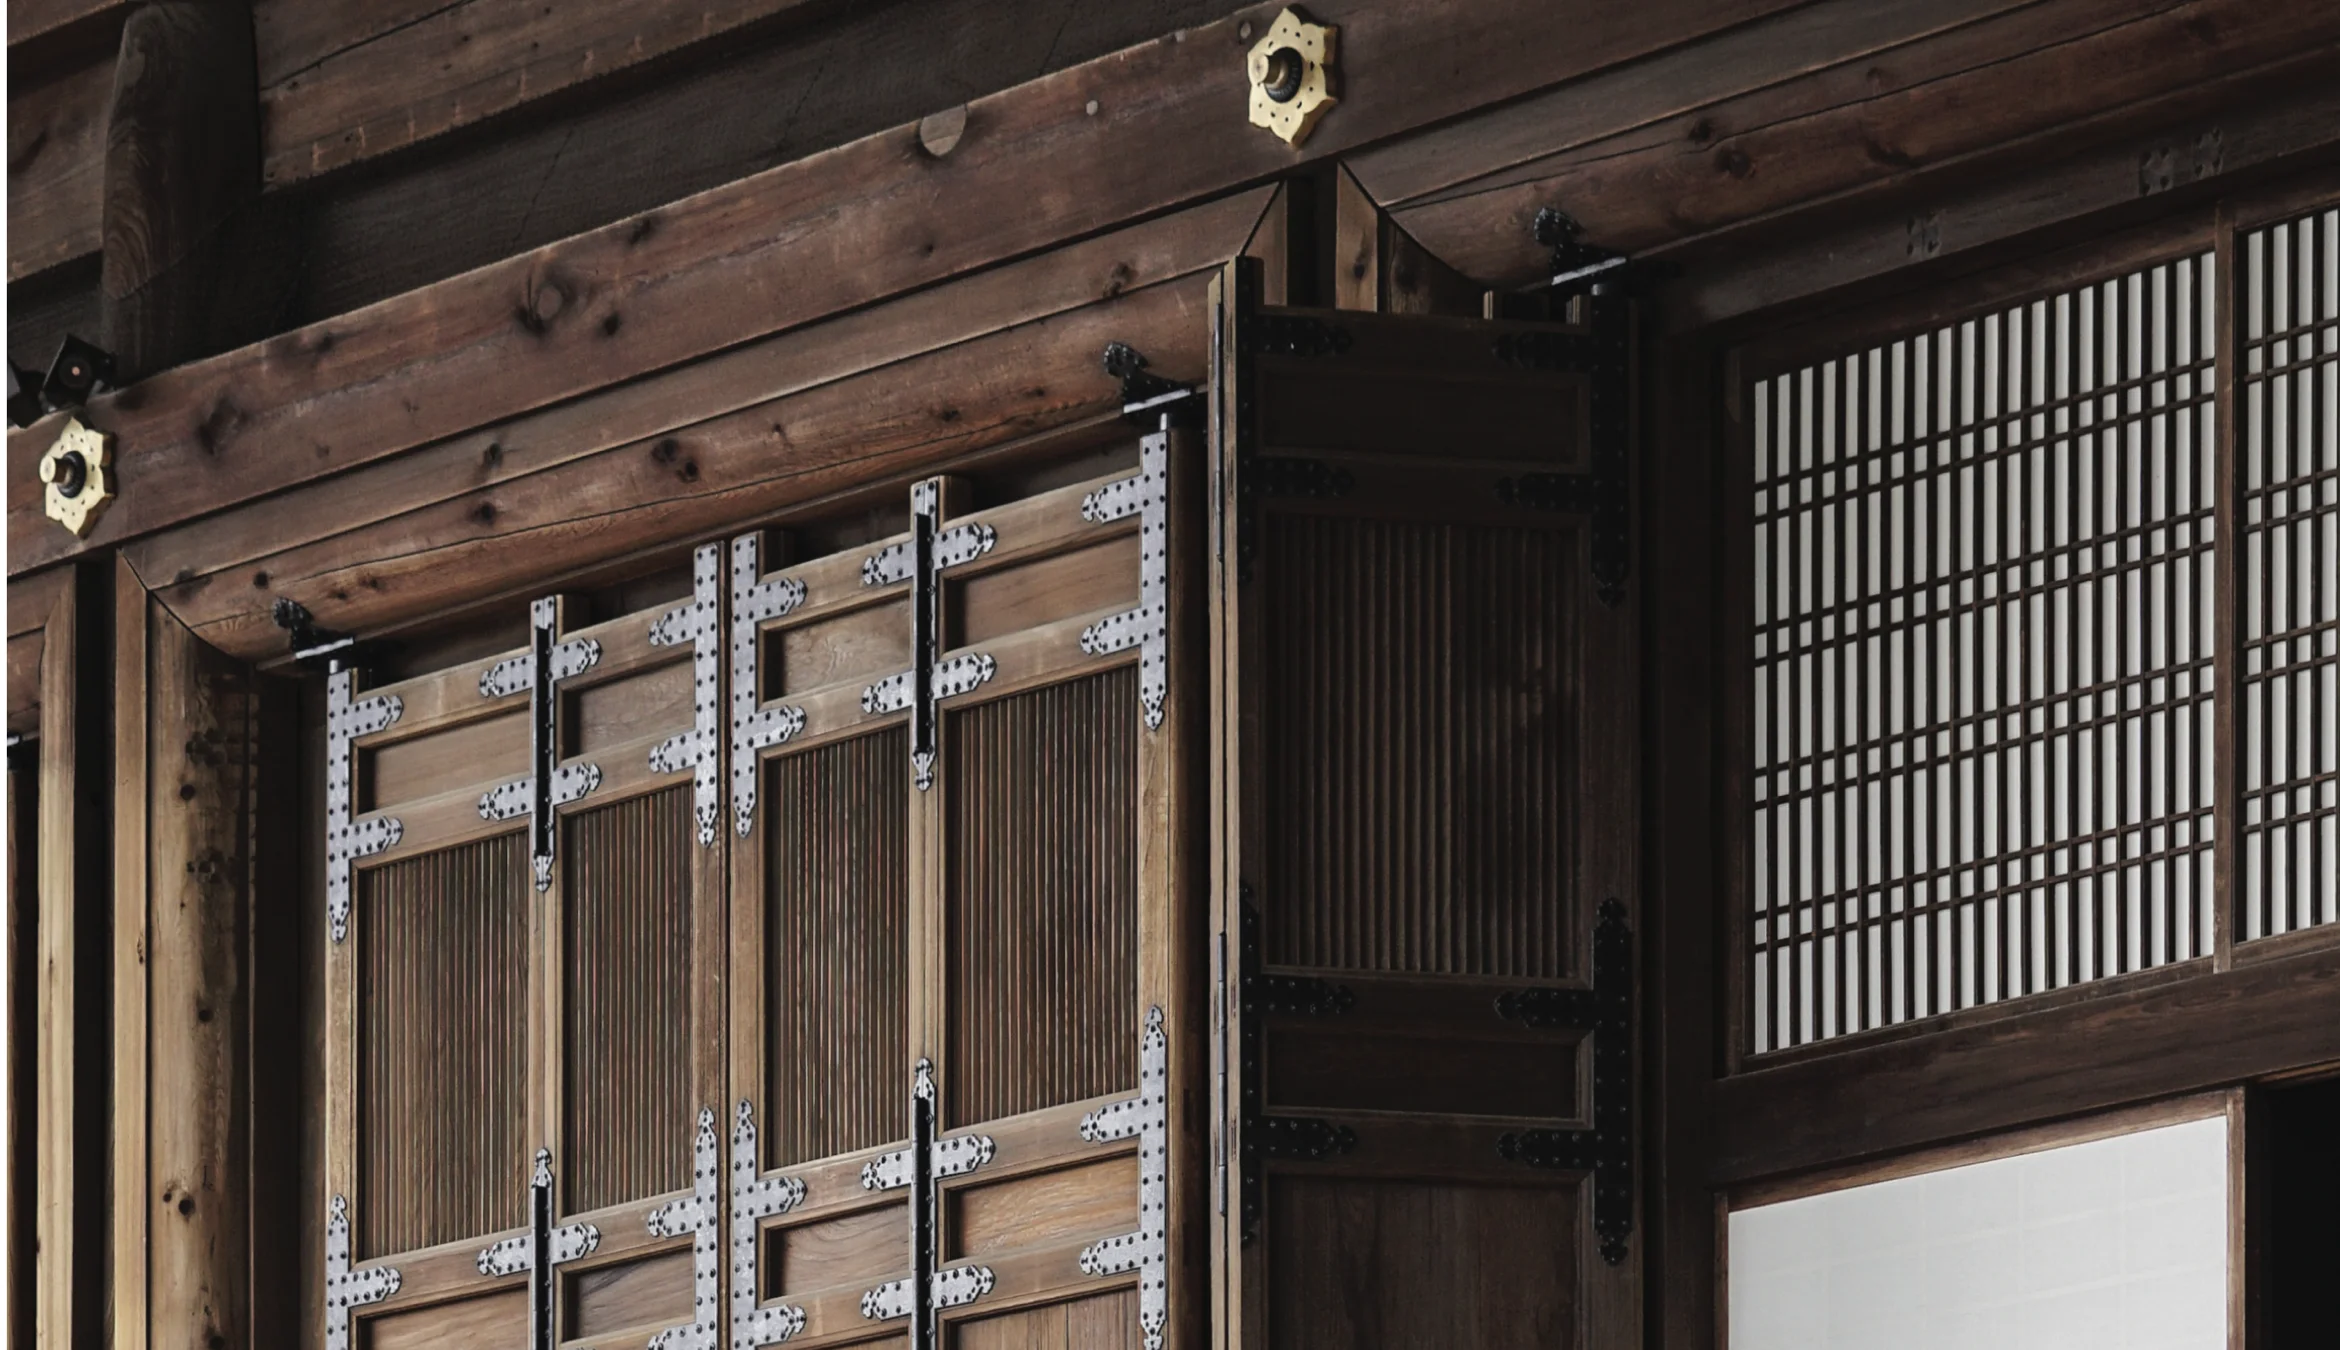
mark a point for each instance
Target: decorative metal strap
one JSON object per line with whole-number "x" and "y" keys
{"x": 535, "y": 1252}
{"x": 920, "y": 560}
{"x": 345, "y": 721}
{"x": 755, "y": 1198}
{"x": 754, "y": 602}
{"x": 926, "y": 1290}
{"x": 1146, "y": 1116}
{"x": 548, "y": 783}
{"x": 1147, "y": 496}
{"x": 1605, "y": 1150}
{"x": 1290, "y": 1138}
{"x": 1605, "y": 493}
{"x": 698, "y": 1215}
{"x": 345, "y": 1288}
{"x": 699, "y": 623}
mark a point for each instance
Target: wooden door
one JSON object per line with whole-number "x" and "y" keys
{"x": 1426, "y": 825}
{"x": 962, "y": 996}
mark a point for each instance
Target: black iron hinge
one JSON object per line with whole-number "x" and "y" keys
{"x": 1290, "y": 1138}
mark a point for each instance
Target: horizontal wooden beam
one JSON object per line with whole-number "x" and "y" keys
{"x": 1116, "y": 139}
{"x": 57, "y": 169}
{"x": 2135, "y": 1045}
{"x": 338, "y": 86}
{"x": 1872, "y": 118}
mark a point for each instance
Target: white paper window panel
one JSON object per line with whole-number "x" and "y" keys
{"x": 2118, "y": 1243}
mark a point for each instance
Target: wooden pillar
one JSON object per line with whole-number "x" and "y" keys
{"x": 182, "y": 167}
{"x": 188, "y": 737}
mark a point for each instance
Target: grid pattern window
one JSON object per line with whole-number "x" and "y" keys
{"x": 1983, "y": 651}
{"x": 2289, "y": 430}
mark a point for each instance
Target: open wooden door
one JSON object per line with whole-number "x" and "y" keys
{"x": 1426, "y": 823}
{"x": 963, "y": 995}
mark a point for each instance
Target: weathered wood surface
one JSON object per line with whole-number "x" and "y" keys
{"x": 417, "y": 70}
{"x": 181, "y": 161}
{"x": 56, "y": 168}
{"x": 2166, "y": 1038}
{"x": 29, "y": 20}
{"x": 835, "y": 230}
{"x": 1823, "y": 102}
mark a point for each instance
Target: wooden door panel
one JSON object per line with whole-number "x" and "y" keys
{"x": 646, "y": 1294}
{"x": 484, "y": 1322}
{"x": 1098, "y": 1322}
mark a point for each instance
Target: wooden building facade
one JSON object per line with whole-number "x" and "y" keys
{"x": 1011, "y": 676}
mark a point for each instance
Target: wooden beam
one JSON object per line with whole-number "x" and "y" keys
{"x": 2076, "y": 70}
{"x": 449, "y": 66}
{"x": 182, "y": 149}
{"x": 57, "y": 168}
{"x": 1111, "y": 140}
{"x": 53, "y": 1091}
{"x": 133, "y": 629}
{"x": 2133, "y": 1045}
{"x": 29, "y": 20}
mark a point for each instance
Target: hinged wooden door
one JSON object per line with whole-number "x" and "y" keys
{"x": 962, "y": 994}
{"x": 1426, "y": 823}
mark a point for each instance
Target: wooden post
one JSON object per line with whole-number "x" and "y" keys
{"x": 182, "y": 164}
{"x": 189, "y": 736}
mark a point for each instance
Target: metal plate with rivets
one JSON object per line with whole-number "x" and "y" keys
{"x": 754, "y": 1198}
{"x": 698, "y": 1216}
{"x": 1146, "y": 494}
{"x": 961, "y": 1285}
{"x": 754, "y": 602}
{"x": 1147, "y": 1118}
{"x": 345, "y": 1288}
{"x": 700, "y": 624}
{"x": 346, "y": 719}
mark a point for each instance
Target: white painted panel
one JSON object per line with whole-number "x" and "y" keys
{"x": 2120, "y": 1243}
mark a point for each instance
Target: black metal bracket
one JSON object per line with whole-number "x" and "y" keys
{"x": 1149, "y": 400}
{"x": 24, "y": 397}
{"x": 80, "y": 372}
{"x": 1606, "y": 1011}
{"x": 1606, "y": 492}
{"x": 1291, "y": 1138}
{"x": 314, "y": 647}
{"x": 1579, "y": 268}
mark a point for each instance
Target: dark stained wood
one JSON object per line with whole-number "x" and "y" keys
{"x": 1864, "y": 121}
{"x": 1100, "y": 1322}
{"x": 884, "y": 425}
{"x": 835, "y": 230}
{"x": 42, "y": 309}
{"x": 30, "y": 20}
{"x": 57, "y": 169}
{"x": 24, "y": 684}
{"x": 22, "y": 1054}
{"x": 2130, "y": 1045}
{"x": 180, "y": 164}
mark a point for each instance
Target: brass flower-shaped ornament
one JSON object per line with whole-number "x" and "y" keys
{"x": 1292, "y": 76}
{"x": 79, "y": 487}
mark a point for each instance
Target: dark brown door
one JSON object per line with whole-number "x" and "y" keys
{"x": 1424, "y": 881}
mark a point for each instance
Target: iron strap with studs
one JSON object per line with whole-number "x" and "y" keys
{"x": 345, "y": 1288}
{"x": 1145, "y": 1117}
{"x": 754, "y": 601}
{"x": 700, "y": 624}
{"x": 1605, "y": 493}
{"x": 928, "y": 1289}
{"x": 698, "y": 1216}
{"x": 755, "y": 1198}
{"x": 346, "y": 719}
{"x": 1606, "y": 1011}
{"x": 1146, "y": 495}
{"x": 537, "y": 1251}
{"x": 920, "y": 560}
{"x": 1289, "y": 1138}
{"x": 540, "y": 671}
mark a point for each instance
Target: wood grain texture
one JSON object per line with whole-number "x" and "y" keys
{"x": 32, "y": 19}
{"x": 1088, "y": 1200}
{"x": 1099, "y": 1322}
{"x": 836, "y": 910}
{"x": 653, "y": 1292}
{"x": 24, "y": 684}
{"x": 22, "y": 1052}
{"x": 57, "y": 169}
{"x": 443, "y": 1066}
{"x": 1416, "y": 1263}
{"x": 1421, "y": 708}
{"x": 835, "y": 230}
{"x": 627, "y": 961}
{"x": 486, "y": 1322}
{"x": 452, "y": 65}
{"x": 866, "y": 1247}
{"x": 1041, "y": 928}
{"x": 58, "y": 1255}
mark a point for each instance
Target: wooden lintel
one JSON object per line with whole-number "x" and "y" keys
{"x": 2159, "y": 1040}
{"x": 1122, "y": 137}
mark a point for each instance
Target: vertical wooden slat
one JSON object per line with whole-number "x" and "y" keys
{"x": 628, "y": 1014}
{"x": 443, "y": 1072}
{"x": 1416, "y": 781}
{"x": 23, "y": 1162}
{"x": 1042, "y": 926}
{"x": 836, "y": 966}
{"x": 55, "y": 1266}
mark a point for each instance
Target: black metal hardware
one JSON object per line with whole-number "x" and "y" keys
{"x": 82, "y": 369}
{"x": 540, "y": 1269}
{"x": 1261, "y": 996}
{"x": 314, "y": 647}
{"x": 1605, "y": 1150}
{"x": 1605, "y": 493}
{"x": 1294, "y": 476}
{"x": 1579, "y": 268}
{"x": 24, "y": 396}
{"x": 1148, "y": 400}
{"x": 925, "y": 1215}
{"x": 1298, "y": 335}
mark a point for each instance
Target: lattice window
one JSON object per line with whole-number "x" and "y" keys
{"x": 2289, "y": 437}
{"x": 1983, "y": 654}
